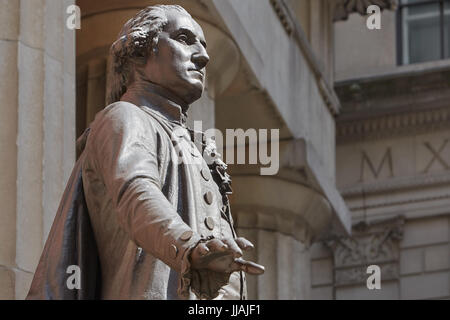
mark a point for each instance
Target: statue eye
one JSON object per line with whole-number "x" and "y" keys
{"x": 182, "y": 38}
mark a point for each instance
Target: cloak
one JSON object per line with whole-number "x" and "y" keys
{"x": 70, "y": 242}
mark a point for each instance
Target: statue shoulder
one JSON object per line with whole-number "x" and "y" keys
{"x": 122, "y": 115}
{"x": 119, "y": 122}
{"x": 123, "y": 110}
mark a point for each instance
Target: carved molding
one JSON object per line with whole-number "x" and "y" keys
{"x": 396, "y": 184}
{"x": 282, "y": 12}
{"x": 345, "y": 7}
{"x": 395, "y": 104}
{"x": 400, "y": 202}
{"x": 399, "y": 124}
{"x": 358, "y": 275}
{"x": 370, "y": 244}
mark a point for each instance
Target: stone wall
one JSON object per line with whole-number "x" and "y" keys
{"x": 37, "y": 101}
{"x": 422, "y": 266}
{"x": 359, "y": 51}
{"x": 392, "y": 160}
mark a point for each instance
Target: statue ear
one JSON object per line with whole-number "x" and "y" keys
{"x": 154, "y": 44}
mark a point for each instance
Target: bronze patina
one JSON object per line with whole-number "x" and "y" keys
{"x": 144, "y": 216}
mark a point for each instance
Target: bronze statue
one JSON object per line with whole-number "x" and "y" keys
{"x": 143, "y": 215}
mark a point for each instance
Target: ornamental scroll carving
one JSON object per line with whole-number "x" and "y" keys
{"x": 371, "y": 244}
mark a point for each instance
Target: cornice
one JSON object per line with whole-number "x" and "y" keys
{"x": 404, "y": 104}
{"x": 345, "y": 7}
{"x": 396, "y": 124}
{"x": 400, "y": 202}
{"x": 396, "y": 184}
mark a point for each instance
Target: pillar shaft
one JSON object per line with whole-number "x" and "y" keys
{"x": 37, "y": 131}
{"x": 9, "y": 29}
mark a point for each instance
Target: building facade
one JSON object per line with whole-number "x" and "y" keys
{"x": 362, "y": 142}
{"x": 392, "y": 156}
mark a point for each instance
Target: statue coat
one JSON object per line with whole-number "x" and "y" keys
{"x": 132, "y": 211}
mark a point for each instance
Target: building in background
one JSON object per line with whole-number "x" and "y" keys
{"x": 358, "y": 122}
{"x": 392, "y": 156}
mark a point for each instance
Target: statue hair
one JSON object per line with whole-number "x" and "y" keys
{"x": 137, "y": 39}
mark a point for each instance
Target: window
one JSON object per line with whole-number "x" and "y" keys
{"x": 423, "y": 30}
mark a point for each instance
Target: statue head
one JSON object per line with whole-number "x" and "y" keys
{"x": 162, "y": 45}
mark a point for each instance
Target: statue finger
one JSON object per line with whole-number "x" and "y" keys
{"x": 249, "y": 267}
{"x": 237, "y": 252}
{"x": 216, "y": 245}
{"x": 244, "y": 244}
{"x": 202, "y": 249}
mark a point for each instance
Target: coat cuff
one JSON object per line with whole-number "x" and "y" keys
{"x": 204, "y": 283}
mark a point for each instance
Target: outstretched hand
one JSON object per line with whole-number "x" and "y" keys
{"x": 224, "y": 256}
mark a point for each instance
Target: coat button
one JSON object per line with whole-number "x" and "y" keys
{"x": 194, "y": 151}
{"x": 173, "y": 251}
{"x": 186, "y": 235}
{"x": 180, "y": 132}
{"x": 208, "y": 197}
{"x": 205, "y": 174}
{"x": 209, "y": 222}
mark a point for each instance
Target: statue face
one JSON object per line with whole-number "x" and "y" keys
{"x": 179, "y": 63}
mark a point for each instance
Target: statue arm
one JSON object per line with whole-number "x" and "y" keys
{"x": 126, "y": 158}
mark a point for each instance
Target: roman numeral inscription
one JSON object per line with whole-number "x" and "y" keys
{"x": 437, "y": 156}
{"x": 367, "y": 162}
{"x": 417, "y": 158}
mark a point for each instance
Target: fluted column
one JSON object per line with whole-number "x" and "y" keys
{"x": 9, "y": 30}
{"x": 37, "y": 97}
{"x": 30, "y": 138}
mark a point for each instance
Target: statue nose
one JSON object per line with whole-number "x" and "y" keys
{"x": 200, "y": 59}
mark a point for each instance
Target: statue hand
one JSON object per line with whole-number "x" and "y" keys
{"x": 224, "y": 256}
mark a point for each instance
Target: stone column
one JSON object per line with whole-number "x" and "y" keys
{"x": 37, "y": 97}
{"x": 281, "y": 218}
{"x": 284, "y": 255}
{"x": 9, "y": 31}
{"x": 96, "y": 88}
